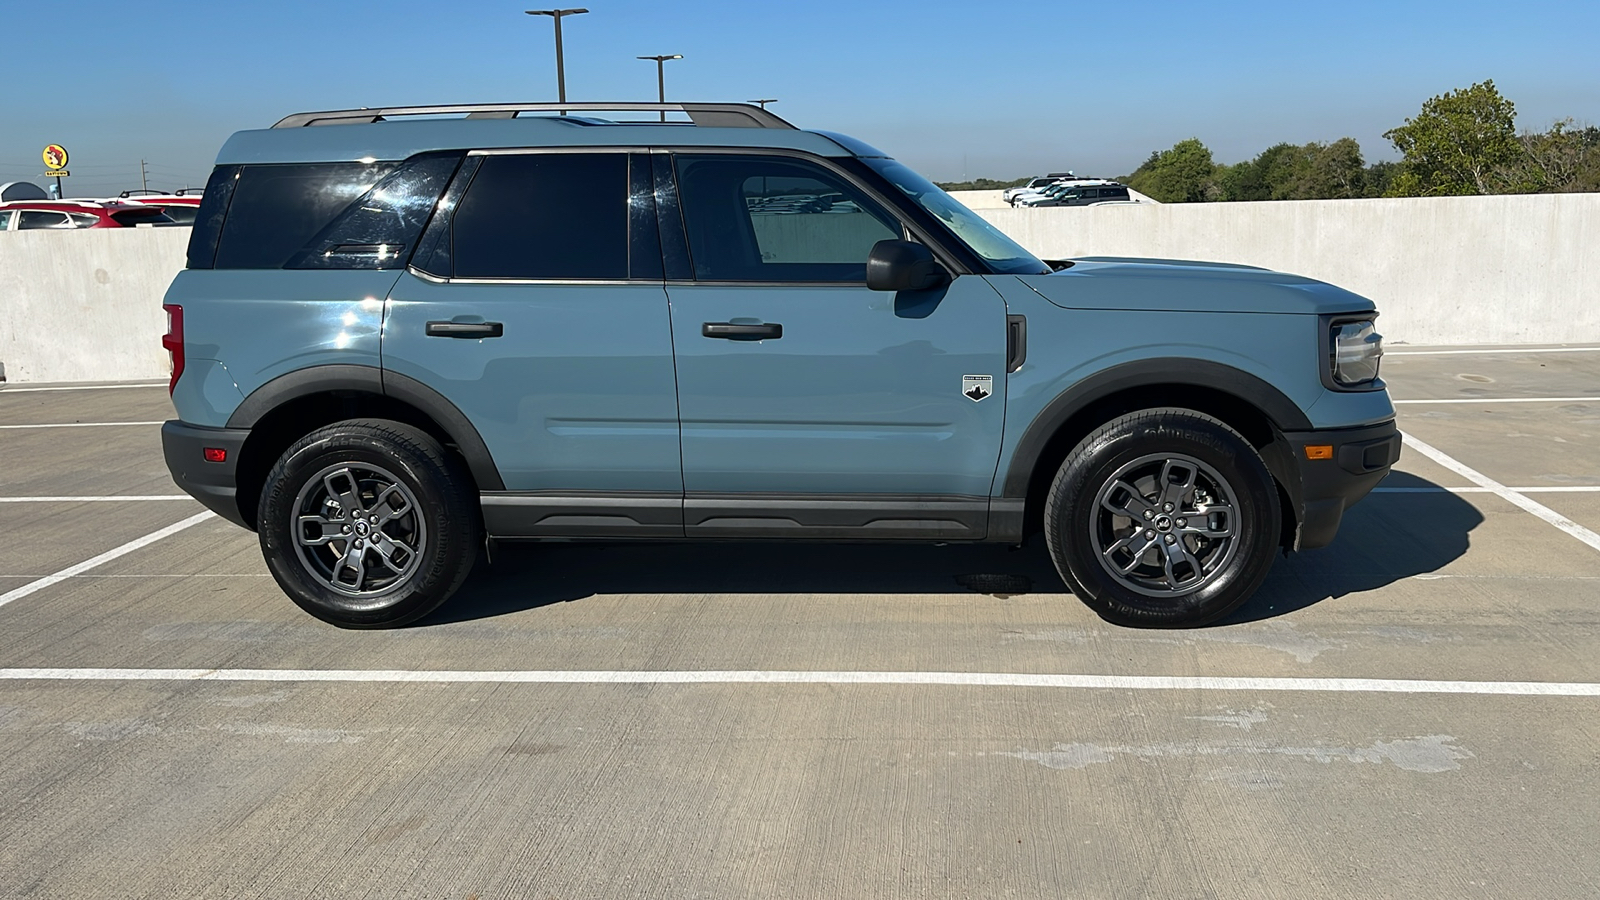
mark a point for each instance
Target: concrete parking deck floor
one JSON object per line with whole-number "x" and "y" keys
{"x": 1410, "y": 712}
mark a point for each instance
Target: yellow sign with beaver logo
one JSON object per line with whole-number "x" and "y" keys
{"x": 55, "y": 157}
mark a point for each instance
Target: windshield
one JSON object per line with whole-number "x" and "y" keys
{"x": 1002, "y": 253}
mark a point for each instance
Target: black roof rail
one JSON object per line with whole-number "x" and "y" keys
{"x": 714, "y": 115}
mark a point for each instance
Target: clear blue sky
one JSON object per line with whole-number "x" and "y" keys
{"x": 999, "y": 89}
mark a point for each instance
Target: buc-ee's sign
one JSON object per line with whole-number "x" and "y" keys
{"x": 55, "y": 159}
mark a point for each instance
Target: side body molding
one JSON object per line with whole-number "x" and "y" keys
{"x": 1142, "y": 373}
{"x": 372, "y": 380}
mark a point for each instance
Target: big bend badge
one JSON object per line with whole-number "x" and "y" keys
{"x": 977, "y": 387}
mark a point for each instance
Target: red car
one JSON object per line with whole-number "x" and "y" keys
{"x": 21, "y": 215}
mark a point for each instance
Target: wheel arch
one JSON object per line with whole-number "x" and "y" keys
{"x": 291, "y": 406}
{"x": 1246, "y": 403}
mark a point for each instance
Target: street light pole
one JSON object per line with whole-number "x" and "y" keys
{"x": 661, "y": 76}
{"x": 561, "y": 69}
{"x": 764, "y": 102}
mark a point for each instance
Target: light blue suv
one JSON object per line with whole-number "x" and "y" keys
{"x": 403, "y": 332}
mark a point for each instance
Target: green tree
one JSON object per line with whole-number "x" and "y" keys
{"x": 1282, "y": 167}
{"x": 1378, "y": 178}
{"x": 1313, "y": 171}
{"x": 1257, "y": 179}
{"x": 1459, "y": 143}
{"x": 1563, "y": 159}
{"x": 1335, "y": 171}
{"x": 1183, "y": 174}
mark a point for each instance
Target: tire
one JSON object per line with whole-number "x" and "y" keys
{"x": 414, "y": 543}
{"x": 1184, "y": 565}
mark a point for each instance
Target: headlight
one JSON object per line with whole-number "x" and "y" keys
{"x": 1356, "y": 349}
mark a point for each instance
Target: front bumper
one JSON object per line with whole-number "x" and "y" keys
{"x": 1323, "y": 489}
{"x": 212, "y": 483}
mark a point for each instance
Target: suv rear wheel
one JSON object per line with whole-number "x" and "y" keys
{"x": 1163, "y": 518}
{"x": 368, "y": 524}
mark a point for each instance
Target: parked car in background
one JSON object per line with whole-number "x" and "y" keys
{"x": 1078, "y": 192}
{"x": 26, "y": 215}
{"x": 1083, "y": 195}
{"x": 1051, "y": 189}
{"x": 1035, "y": 184}
{"x": 180, "y": 207}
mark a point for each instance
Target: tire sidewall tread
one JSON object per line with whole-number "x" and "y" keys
{"x": 1123, "y": 439}
{"x": 446, "y": 498}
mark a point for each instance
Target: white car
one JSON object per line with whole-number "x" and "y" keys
{"x": 1035, "y": 184}
{"x": 1073, "y": 192}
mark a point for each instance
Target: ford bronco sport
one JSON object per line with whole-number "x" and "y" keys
{"x": 403, "y": 332}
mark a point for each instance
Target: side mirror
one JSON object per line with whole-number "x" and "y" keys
{"x": 903, "y": 266}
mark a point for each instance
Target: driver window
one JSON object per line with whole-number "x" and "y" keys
{"x": 771, "y": 219}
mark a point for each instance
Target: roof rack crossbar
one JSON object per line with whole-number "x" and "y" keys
{"x": 719, "y": 115}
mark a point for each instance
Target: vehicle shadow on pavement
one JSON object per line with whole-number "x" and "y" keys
{"x": 530, "y": 575}
{"x": 1383, "y": 539}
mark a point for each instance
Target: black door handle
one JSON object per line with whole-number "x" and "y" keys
{"x": 732, "y": 332}
{"x": 466, "y": 329}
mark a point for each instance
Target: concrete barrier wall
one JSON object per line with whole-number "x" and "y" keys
{"x": 86, "y": 305}
{"x": 1444, "y": 270}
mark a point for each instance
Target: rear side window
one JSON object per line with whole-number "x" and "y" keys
{"x": 544, "y": 216}
{"x": 277, "y": 209}
{"x": 40, "y": 218}
{"x": 182, "y": 215}
{"x": 318, "y": 216}
{"x": 213, "y": 210}
{"x": 379, "y": 230}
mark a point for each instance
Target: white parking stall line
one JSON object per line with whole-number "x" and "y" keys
{"x": 1503, "y": 492}
{"x": 130, "y": 498}
{"x": 81, "y": 387}
{"x": 135, "y": 544}
{"x": 1436, "y": 489}
{"x": 943, "y": 679}
{"x": 1594, "y": 399}
{"x": 1494, "y": 350}
{"x": 78, "y": 425}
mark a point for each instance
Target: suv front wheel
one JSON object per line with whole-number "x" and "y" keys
{"x": 368, "y": 524}
{"x": 1163, "y": 518}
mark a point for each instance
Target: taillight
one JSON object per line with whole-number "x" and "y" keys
{"x": 173, "y": 342}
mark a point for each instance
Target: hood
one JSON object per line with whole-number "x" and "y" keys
{"x": 1185, "y": 286}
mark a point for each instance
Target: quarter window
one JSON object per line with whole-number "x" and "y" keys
{"x": 276, "y": 209}
{"x": 380, "y": 230}
{"x": 183, "y": 215}
{"x": 758, "y": 218}
{"x": 544, "y": 216}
